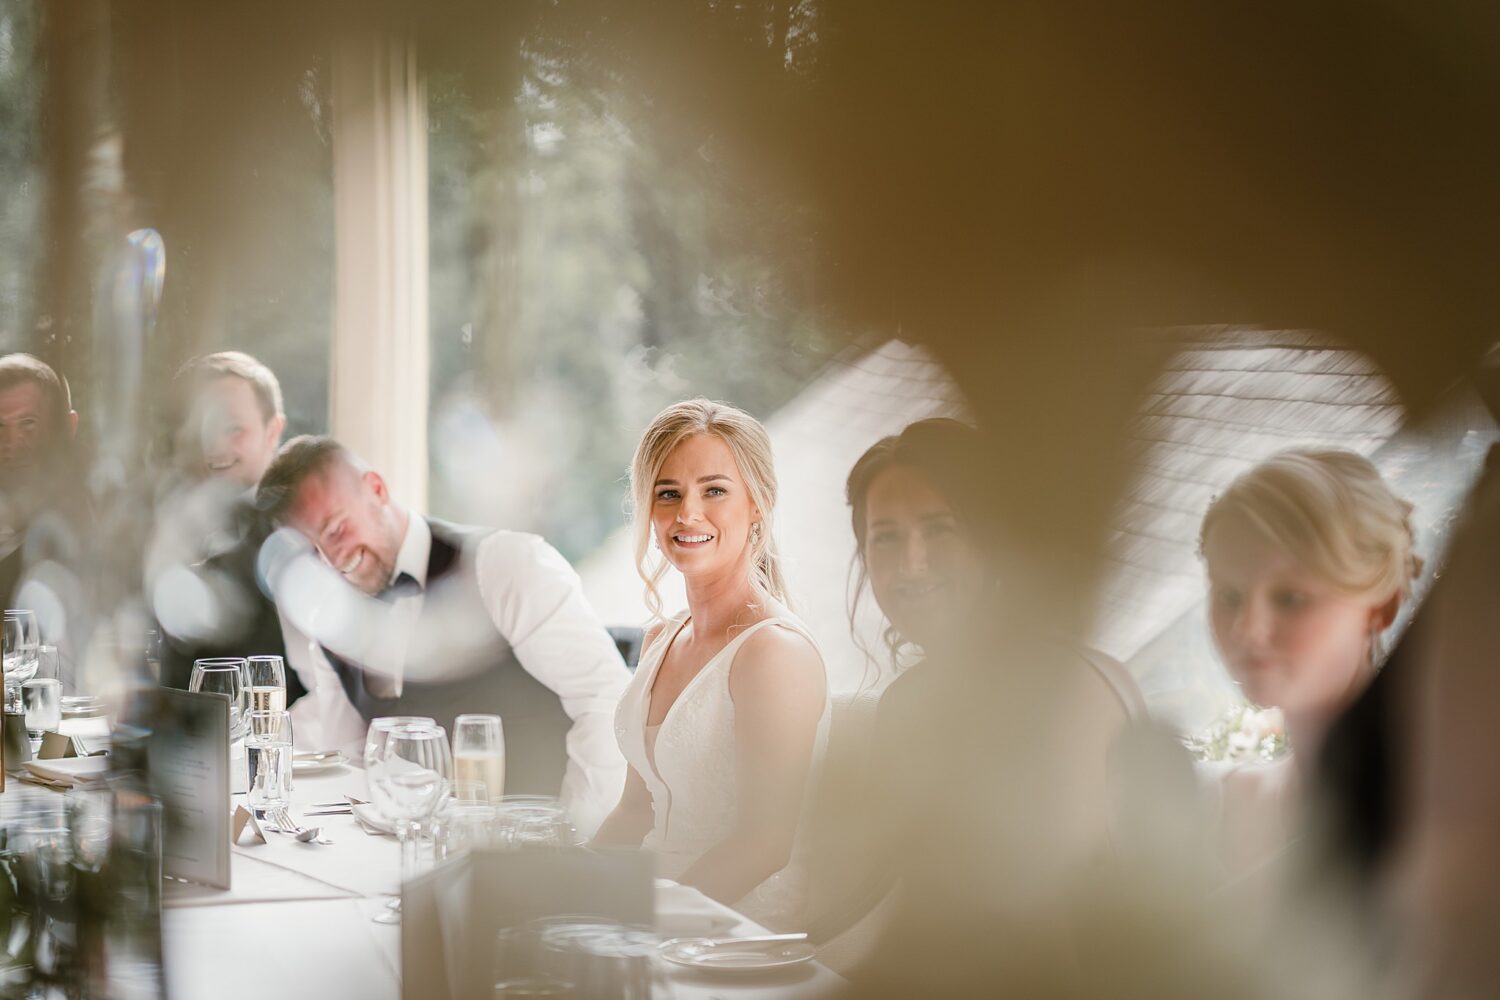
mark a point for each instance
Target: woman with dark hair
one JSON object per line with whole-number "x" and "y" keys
{"x": 926, "y": 554}
{"x": 933, "y": 567}
{"x": 915, "y": 535}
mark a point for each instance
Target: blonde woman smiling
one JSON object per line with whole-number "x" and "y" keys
{"x": 729, "y": 707}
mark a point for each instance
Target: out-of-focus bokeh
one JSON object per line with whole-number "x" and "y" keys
{"x": 1141, "y": 247}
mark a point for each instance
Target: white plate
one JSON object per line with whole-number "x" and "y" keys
{"x": 706, "y": 955}
{"x": 316, "y": 765}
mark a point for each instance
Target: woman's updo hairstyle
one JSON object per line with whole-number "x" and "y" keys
{"x": 1332, "y": 511}
{"x": 751, "y": 448}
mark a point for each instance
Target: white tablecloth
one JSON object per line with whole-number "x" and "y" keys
{"x": 296, "y": 922}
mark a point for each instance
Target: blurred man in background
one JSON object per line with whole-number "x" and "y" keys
{"x": 37, "y": 423}
{"x": 203, "y": 569}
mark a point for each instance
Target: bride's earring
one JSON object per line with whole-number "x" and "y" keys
{"x": 1374, "y": 646}
{"x": 755, "y": 532}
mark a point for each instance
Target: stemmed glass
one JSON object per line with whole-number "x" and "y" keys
{"x": 374, "y": 747}
{"x": 479, "y": 753}
{"x": 225, "y": 675}
{"x": 265, "y": 677}
{"x": 412, "y": 771}
{"x": 22, "y": 641}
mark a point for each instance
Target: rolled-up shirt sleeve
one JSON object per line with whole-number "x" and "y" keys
{"x": 535, "y": 599}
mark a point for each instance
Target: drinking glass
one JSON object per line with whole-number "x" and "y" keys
{"x": 20, "y": 654}
{"x": 533, "y": 821}
{"x": 268, "y": 759}
{"x": 479, "y": 753}
{"x": 225, "y": 675}
{"x": 374, "y": 747}
{"x": 466, "y": 824}
{"x": 600, "y": 958}
{"x": 412, "y": 770}
{"x": 43, "y": 699}
{"x": 265, "y": 678}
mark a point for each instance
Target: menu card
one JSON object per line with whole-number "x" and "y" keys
{"x": 189, "y": 771}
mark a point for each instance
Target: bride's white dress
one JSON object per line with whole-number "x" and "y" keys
{"x": 690, "y": 771}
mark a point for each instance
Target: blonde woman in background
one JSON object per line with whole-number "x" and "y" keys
{"x": 1309, "y": 558}
{"x": 729, "y": 708}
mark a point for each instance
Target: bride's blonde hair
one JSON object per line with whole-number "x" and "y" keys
{"x": 1332, "y": 511}
{"x": 751, "y": 448}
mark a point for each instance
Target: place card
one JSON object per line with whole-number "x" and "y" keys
{"x": 189, "y": 771}
{"x": 244, "y": 820}
{"x": 55, "y": 746}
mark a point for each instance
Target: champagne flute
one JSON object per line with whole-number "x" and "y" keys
{"x": 479, "y": 753}
{"x": 265, "y": 677}
{"x": 414, "y": 769}
{"x": 225, "y": 675}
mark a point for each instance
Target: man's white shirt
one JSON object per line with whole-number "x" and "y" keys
{"x": 535, "y": 600}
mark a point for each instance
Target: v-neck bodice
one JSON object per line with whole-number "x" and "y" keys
{"x": 690, "y": 769}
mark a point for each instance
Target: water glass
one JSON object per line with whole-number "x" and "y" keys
{"x": 466, "y": 824}
{"x": 265, "y": 678}
{"x": 412, "y": 769}
{"x": 268, "y": 759}
{"x": 375, "y": 746}
{"x": 479, "y": 753}
{"x": 43, "y": 699}
{"x": 601, "y": 959}
{"x": 225, "y": 675}
{"x": 515, "y": 962}
{"x": 21, "y": 642}
{"x": 533, "y": 821}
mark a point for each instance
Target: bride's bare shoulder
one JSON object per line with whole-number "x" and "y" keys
{"x": 779, "y": 647}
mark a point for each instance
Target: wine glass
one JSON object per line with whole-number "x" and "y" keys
{"x": 225, "y": 675}
{"x": 20, "y": 654}
{"x": 413, "y": 770}
{"x": 479, "y": 753}
{"x": 374, "y": 746}
{"x": 265, "y": 677}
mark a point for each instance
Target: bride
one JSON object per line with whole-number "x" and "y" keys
{"x": 729, "y": 706}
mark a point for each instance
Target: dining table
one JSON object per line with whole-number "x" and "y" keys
{"x": 297, "y": 920}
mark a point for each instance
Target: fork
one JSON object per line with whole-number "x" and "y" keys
{"x": 285, "y": 824}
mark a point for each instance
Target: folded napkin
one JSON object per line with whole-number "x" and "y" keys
{"x": 370, "y": 818}
{"x": 69, "y": 771}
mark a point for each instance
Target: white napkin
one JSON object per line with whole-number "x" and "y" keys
{"x": 370, "y": 817}
{"x": 70, "y": 771}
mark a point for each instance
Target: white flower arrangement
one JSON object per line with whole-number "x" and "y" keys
{"x": 1244, "y": 733}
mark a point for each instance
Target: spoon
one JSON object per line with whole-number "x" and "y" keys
{"x": 312, "y": 835}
